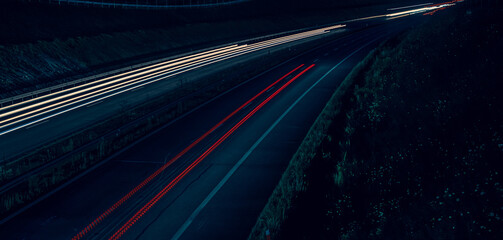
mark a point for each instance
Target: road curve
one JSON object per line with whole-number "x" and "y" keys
{"x": 216, "y": 188}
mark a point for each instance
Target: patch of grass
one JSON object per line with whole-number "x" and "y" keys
{"x": 415, "y": 150}
{"x": 294, "y": 181}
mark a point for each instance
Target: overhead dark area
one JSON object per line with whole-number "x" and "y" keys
{"x": 28, "y": 21}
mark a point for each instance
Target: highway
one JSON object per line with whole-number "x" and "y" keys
{"x": 31, "y": 113}
{"x": 207, "y": 175}
{"x": 23, "y": 120}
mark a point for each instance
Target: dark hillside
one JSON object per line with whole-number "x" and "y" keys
{"x": 415, "y": 148}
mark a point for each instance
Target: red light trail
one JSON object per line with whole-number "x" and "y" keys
{"x": 105, "y": 214}
{"x": 168, "y": 187}
{"x": 444, "y": 4}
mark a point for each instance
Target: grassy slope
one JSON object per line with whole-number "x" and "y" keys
{"x": 415, "y": 150}
{"x": 45, "y": 45}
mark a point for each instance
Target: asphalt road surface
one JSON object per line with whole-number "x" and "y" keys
{"x": 218, "y": 186}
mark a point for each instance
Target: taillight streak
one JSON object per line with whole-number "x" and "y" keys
{"x": 167, "y": 164}
{"x": 168, "y": 187}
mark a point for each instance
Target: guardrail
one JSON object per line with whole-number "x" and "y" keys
{"x": 146, "y": 4}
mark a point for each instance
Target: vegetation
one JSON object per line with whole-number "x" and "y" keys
{"x": 413, "y": 151}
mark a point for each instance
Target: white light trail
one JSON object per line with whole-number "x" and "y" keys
{"x": 48, "y": 106}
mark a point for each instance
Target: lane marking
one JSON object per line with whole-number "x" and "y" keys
{"x": 134, "y": 90}
{"x": 203, "y": 204}
{"x": 94, "y": 104}
{"x": 40, "y": 123}
{"x": 156, "y": 173}
{"x": 168, "y": 187}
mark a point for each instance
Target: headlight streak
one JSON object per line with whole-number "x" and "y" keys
{"x": 434, "y": 8}
{"x": 111, "y": 77}
{"x": 132, "y": 80}
{"x": 111, "y": 88}
{"x": 219, "y": 50}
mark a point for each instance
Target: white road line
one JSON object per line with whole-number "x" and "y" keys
{"x": 136, "y": 89}
{"x": 94, "y": 104}
{"x": 40, "y": 123}
{"x": 196, "y": 212}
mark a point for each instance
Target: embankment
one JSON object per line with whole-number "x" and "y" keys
{"x": 412, "y": 149}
